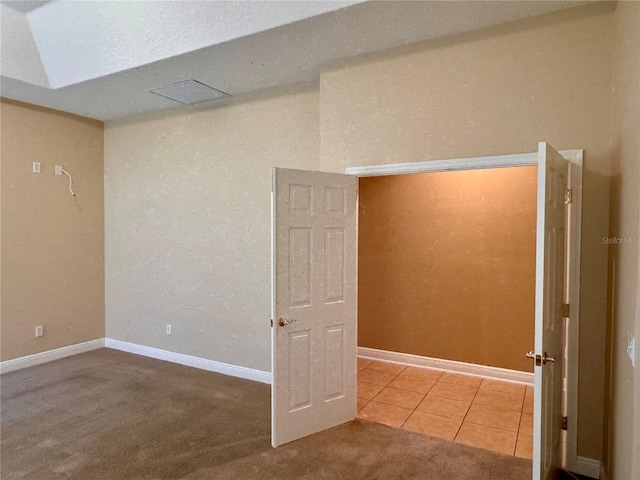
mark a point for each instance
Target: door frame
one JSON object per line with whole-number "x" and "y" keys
{"x": 575, "y": 159}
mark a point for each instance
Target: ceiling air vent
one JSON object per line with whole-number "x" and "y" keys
{"x": 189, "y": 91}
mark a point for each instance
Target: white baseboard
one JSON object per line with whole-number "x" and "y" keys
{"x": 50, "y": 355}
{"x": 190, "y": 361}
{"x": 449, "y": 365}
{"x": 603, "y": 472}
{"x": 588, "y": 466}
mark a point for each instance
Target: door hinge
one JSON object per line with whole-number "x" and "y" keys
{"x": 564, "y": 423}
{"x": 568, "y": 194}
{"x": 565, "y": 310}
{"x": 272, "y": 323}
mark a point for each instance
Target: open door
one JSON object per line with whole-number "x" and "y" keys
{"x": 314, "y": 302}
{"x": 549, "y": 313}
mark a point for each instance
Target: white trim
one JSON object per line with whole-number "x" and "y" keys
{"x": 273, "y": 298}
{"x": 191, "y": 361}
{"x": 448, "y": 365}
{"x": 572, "y": 460}
{"x": 50, "y": 355}
{"x": 575, "y": 157}
{"x": 188, "y": 360}
{"x": 455, "y": 164}
{"x": 472, "y": 163}
{"x": 588, "y": 467}
{"x": 603, "y": 472}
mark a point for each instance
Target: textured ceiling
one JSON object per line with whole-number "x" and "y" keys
{"x": 100, "y": 58}
{"x": 24, "y": 5}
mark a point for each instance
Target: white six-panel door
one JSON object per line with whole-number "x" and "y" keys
{"x": 549, "y": 319}
{"x": 314, "y": 306}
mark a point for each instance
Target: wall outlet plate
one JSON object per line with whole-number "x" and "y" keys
{"x": 39, "y": 331}
{"x": 168, "y": 329}
{"x": 57, "y": 169}
{"x": 36, "y": 167}
{"x": 631, "y": 349}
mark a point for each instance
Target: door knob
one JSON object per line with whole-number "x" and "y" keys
{"x": 537, "y": 358}
{"x": 546, "y": 358}
{"x": 541, "y": 360}
{"x": 283, "y": 321}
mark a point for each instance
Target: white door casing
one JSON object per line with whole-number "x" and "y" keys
{"x": 549, "y": 317}
{"x": 314, "y": 297}
{"x": 575, "y": 161}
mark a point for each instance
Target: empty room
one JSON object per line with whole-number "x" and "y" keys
{"x": 204, "y": 273}
{"x": 447, "y": 274}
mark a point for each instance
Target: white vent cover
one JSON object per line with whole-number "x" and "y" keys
{"x": 189, "y": 91}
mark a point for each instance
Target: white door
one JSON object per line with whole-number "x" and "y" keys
{"x": 314, "y": 302}
{"x": 549, "y": 316}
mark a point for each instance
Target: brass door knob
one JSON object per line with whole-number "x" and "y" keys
{"x": 283, "y": 321}
{"x": 546, "y": 358}
{"x": 541, "y": 359}
{"x": 537, "y": 358}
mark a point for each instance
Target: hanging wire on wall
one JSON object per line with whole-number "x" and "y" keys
{"x": 70, "y": 182}
{"x": 62, "y": 170}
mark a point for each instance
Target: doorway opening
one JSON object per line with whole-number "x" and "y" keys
{"x": 314, "y": 297}
{"x": 446, "y": 279}
{"x": 573, "y": 200}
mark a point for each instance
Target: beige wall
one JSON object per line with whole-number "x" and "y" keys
{"x": 52, "y": 271}
{"x": 623, "y": 432}
{"x": 496, "y": 91}
{"x": 187, "y": 193}
{"x": 188, "y": 222}
{"x": 446, "y": 265}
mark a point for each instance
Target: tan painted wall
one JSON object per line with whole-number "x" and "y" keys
{"x": 495, "y": 91}
{"x": 623, "y": 432}
{"x": 188, "y": 222}
{"x": 52, "y": 249}
{"x": 446, "y": 265}
{"x": 187, "y": 193}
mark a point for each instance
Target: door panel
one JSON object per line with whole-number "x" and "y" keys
{"x": 549, "y": 320}
{"x": 314, "y": 293}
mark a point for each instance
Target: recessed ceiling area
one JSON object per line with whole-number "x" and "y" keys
{"x": 101, "y": 59}
{"x": 24, "y": 5}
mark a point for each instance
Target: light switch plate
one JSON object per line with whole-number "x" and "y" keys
{"x": 631, "y": 349}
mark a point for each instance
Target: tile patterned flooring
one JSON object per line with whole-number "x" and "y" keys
{"x": 480, "y": 412}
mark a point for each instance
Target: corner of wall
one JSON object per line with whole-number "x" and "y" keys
{"x": 52, "y": 243}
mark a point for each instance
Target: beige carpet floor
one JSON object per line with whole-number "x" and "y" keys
{"x": 109, "y": 415}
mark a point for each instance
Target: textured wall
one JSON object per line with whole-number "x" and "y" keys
{"x": 623, "y": 432}
{"x": 495, "y": 91}
{"x": 188, "y": 222}
{"x": 446, "y": 265}
{"x": 187, "y": 193}
{"x": 52, "y": 270}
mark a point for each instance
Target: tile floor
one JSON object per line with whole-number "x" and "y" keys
{"x": 476, "y": 411}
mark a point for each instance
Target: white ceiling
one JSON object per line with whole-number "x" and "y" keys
{"x": 24, "y": 6}
{"x": 100, "y": 58}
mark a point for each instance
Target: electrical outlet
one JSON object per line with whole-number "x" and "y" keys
{"x": 36, "y": 167}
{"x": 168, "y": 329}
{"x": 39, "y": 331}
{"x": 631, "y": 349}
{"x": 57, "y": 169}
